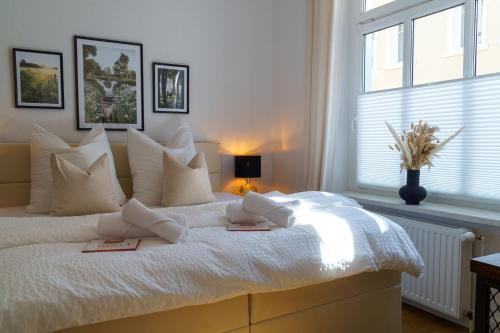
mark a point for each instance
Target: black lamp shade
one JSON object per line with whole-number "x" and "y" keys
{"x": 247, "y": 166}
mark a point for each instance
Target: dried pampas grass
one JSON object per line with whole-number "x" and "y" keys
{"x": 419, "y": 145}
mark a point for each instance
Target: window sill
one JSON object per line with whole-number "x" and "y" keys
{"x": 436, "y": 212}
{"x": 483, "y": 47}
{"x": 453, "y": 53}
{"x": 397, "y": 65}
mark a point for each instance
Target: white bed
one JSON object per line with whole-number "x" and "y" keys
{"x": 45, "y": 274}
{"x": 308, "y": 277}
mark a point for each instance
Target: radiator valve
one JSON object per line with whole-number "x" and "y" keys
{"x": 468, "y": 314}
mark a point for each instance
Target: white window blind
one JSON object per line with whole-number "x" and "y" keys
{"x": 468, "y": 167}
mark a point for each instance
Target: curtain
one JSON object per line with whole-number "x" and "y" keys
{"x": 327, "y": 91}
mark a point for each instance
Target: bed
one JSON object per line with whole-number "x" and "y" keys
{"x": 291, "y": 297}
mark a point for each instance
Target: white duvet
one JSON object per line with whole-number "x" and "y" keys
{"x": 47, "y": 284}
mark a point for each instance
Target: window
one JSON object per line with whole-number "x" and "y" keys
{"x": 432, "y": 45}
{"x": 481, "y": 22}
{"x": 395, "y": 46}
{"x": 451, "y": 44}
{"x": 488, "y": 37}
{"x": 380, "y": 70}
{"x": 467, "y": 168}
{"x": 370, "y": 4}
{"x": 456, "y": 31}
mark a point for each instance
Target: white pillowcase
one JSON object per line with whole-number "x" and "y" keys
{"x": 44, "y": 143}
{"x": 146, "y": 161}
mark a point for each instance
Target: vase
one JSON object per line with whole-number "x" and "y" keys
{"x": 412, "y": 193}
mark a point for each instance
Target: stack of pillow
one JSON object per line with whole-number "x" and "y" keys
{"x": 82, "y": 180}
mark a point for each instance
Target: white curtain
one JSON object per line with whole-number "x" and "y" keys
{"x": 327, "y": 91}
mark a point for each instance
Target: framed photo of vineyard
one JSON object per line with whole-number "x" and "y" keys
{"x": 170, "y": 88}
{"x": 38, "y": 79}
{"x": 109, "y": 84}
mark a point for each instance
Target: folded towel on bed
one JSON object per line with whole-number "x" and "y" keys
{"x": 171, "y": 227}
{"x": 113, "y": 225}
{"x": 236, "y": 214}
{"x": 276, "y": 212}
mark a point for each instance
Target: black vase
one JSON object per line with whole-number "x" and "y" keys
{"x": 412, "y": 193}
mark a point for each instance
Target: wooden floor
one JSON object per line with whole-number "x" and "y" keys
{"x": 418, "y": 321}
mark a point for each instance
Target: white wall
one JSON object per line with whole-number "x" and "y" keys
{"x": 226, "y": 43}
{"x": 292, "y": 29}
{"x": 292, "y": 22}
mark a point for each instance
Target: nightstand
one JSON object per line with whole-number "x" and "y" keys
{"x": 487, "y": 312}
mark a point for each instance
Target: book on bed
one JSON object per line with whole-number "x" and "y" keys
{"x": 259, "y": 226}
{"x": 112, "y": 245}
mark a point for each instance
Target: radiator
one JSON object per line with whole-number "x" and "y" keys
{"x": 445, "y": 285}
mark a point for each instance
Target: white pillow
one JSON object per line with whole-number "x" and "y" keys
{"x": 146, "y": 161}
{"x": 44, "y": 143}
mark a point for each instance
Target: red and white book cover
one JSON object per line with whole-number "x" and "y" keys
{"x": 112, "y": 245}
{"x": 259, "y": 226}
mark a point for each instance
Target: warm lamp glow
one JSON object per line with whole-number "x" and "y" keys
{"x": 241, "y": 147}
{"x": 284, "y": 139}
{"x": 247, "y": 166}
{"x": 244, "y": 188}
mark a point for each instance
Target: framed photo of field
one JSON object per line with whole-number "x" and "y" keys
{"x": 109, "y": 84}
{"x": 170, "y": 88}
{"x": 38, "y": 79}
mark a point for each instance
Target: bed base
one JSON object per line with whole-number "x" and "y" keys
{"x": 368, "y": 302}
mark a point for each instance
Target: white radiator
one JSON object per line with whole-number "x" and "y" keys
{"x": 445, "y": 285}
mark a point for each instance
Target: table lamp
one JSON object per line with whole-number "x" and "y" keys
{"x": 246, "y": 167}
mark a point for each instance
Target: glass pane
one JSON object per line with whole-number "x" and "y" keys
{"x": 488, "y": 37}
{"x": 384, "y": 59}
{"x": 438, "y": 46}
{"x": 370, "y": 4}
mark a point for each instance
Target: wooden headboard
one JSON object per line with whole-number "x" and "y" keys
{"x": 15, "y": 170}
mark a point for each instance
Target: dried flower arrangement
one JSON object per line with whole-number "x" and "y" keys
{"x": 419, "y": 145}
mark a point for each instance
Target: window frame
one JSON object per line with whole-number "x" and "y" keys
{"x": 363, "y": 65}
{"x": 405, "y": 12}
{"x": 397, "y": 12}
{"x": 392, "y": 53}
{"x": 482, "y": 13}
{"x": 453, "y": 21}
{"x": 449, "y": 51}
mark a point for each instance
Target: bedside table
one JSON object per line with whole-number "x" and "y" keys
{"x": 487, "y": 312}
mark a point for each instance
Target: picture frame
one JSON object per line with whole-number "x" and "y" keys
{"x": 109, "y": 84}
{"x": 170, "y": 88}
{"x": 38, "y": 79}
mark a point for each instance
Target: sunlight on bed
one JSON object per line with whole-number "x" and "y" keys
{"x": 336, "y": 239}
{"x": 381, "y": 222}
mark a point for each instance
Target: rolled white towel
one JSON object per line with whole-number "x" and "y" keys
{"x": 276, "y": 212}
{"x": 175, "y": 227}
{"x": 113, "y": 225}
{"x": 236, "y": 214}
{"x": 134, "y": 212}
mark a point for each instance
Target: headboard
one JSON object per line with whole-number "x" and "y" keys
{"x": 15, "y": 170}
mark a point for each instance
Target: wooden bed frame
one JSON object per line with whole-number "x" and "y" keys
{"x": 368, "y": 302}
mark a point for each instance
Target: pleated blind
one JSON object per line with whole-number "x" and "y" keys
{"x": 467, "y": 168}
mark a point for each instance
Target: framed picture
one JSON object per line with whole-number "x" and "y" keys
{"x": 170, "y": 88}
{"x": 38, "y": 79}
{"x": 109, "y": 84}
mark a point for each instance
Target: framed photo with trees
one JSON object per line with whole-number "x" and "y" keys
{"x": 170, "y": 88}
{"x": 38, "y": 79}
{"x": 109, "y": 84}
